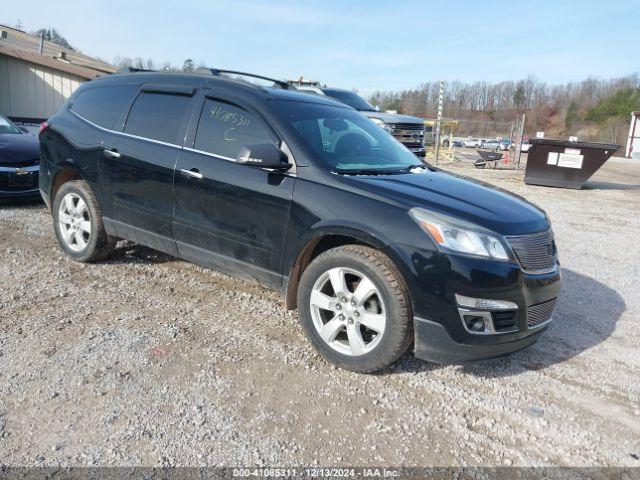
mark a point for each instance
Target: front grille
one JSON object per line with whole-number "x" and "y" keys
{"x": 540, "y": 313}
{"x": 504, "y": 321}
{"x": 12, "y": 182}
{"x": 408, "y": 126}
{"x": 536, "y": 252}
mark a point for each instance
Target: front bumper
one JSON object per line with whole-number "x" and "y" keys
{"x": 19, "y": 183}
{"x": 433, "y": 343}
{"x": 418, "y": 151}
{"x": 435, "y": 278}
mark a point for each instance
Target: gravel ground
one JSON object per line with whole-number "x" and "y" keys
{"x": 148, "y": 360}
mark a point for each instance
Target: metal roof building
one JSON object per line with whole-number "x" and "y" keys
{"x": 37, "y": 76}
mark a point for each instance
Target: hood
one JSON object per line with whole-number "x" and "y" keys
{"x": 18, "y": 148}
{"x": 489, "y": 207}
{"x": 393, "y": 118}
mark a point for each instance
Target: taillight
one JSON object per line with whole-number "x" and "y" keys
{"x": 43, "y": 127}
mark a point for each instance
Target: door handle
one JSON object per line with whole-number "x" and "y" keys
{"x": 112, "y": 153}
{"x": 193, "y": 173}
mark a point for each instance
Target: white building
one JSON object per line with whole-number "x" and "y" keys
{"x": 633, "y": 142}
{"x": 36, "y": 76}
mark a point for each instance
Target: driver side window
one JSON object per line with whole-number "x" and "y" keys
{"x": 224, "y": 129}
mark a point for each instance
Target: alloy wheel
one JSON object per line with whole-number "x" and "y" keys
{"x": 74, "y": 222}
{"x": 348, "y": 311}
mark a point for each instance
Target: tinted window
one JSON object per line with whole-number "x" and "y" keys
{"x": 225, "y": 128}
{"x": 157, "y": 116}
{"x": 103, "y": 105}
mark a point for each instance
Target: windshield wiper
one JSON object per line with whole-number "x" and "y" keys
{"x": 369, "y": 171}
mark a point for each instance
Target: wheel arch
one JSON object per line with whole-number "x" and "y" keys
{"x": 66, "y": 172}
{"x": 325, "y": 240}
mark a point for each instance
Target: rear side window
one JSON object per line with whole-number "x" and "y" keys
{"x": 103, "y": 105}
{"x": 225, "y": 128}
{"x": 157, "y": 116}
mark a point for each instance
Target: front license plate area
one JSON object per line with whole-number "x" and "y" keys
{"x": 22, "y": 180}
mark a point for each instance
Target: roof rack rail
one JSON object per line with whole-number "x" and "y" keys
{"x": 133, "y": 70}
{"x": 216, "y": 72}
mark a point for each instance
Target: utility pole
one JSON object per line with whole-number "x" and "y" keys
{"x": 439, "y": 119}
{"x": 519, "y": 146}
{"x": 19, "y": 25}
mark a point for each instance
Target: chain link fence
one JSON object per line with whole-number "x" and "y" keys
{"x": 475, "y": 141}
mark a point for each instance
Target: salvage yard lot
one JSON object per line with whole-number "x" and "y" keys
{"x": 147, "y": 360}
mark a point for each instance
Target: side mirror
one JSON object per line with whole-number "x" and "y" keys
{"x": 265, "y": 155}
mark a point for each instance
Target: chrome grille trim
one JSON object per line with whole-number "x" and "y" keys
{"x": 407, "y": 126}
{"x": 540, "y": 314}
{"x": 536, "y": 252}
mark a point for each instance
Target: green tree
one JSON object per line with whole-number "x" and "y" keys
{"x": 620, "y": 104}
{"x": 571, "y": 117}
{"x": 518, "y": 97}
{"x": 187, "y": 66}
{"x": 53, "y": 36}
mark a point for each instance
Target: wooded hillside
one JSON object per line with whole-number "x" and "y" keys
{"x": 593, "y": 109}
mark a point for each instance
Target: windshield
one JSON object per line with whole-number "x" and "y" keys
{"x": 345, "y": 140}
{"x": 7, "y": 127}
{"x": 352, "y": 99}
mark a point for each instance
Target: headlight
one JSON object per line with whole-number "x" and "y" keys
{"x": 458, "y": 236}
{"x": 381, "y": 123}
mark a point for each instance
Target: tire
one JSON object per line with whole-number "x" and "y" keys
{"x": 367, "y": 332}
{"x": 480, "y": 164}
{"x": 77, "y": 221}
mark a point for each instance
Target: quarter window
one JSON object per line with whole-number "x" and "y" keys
{"x": 103, "y": 105}
{"x": 225, "y": 128}
{"x": 158, "y": 116}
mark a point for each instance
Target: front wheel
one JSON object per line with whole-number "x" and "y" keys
{"x": 354, "y": 307}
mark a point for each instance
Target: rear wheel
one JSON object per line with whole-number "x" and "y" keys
{"x": 355, "y": 308}
{"x": 77, "y": 221}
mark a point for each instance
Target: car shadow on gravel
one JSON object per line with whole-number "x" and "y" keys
{"x": 597, "y": 185}
{"x": 35, "y": 203}
{"x": 129, "y": 252}
{"x": 585, "y": 316}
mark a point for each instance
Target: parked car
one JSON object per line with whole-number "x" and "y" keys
{"x": 410, "y": 131}
{"x": 504, "y": 145}
{"x": 472, "y": 142}
{"x": 306, "y": 196}
{"x": 490, "y": 144}
{"x": 19, "y": 162}
{"x": 525, "y": 146}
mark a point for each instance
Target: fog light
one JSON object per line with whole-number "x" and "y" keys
{"x": 475, "y": 323}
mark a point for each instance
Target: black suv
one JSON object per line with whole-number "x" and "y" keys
{"x": 304, "y": 195}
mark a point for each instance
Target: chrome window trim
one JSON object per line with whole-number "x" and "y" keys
{"x": 209, "y": 154}
{"x": 125, "y": 134}
{"x": 189, "y": 149}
